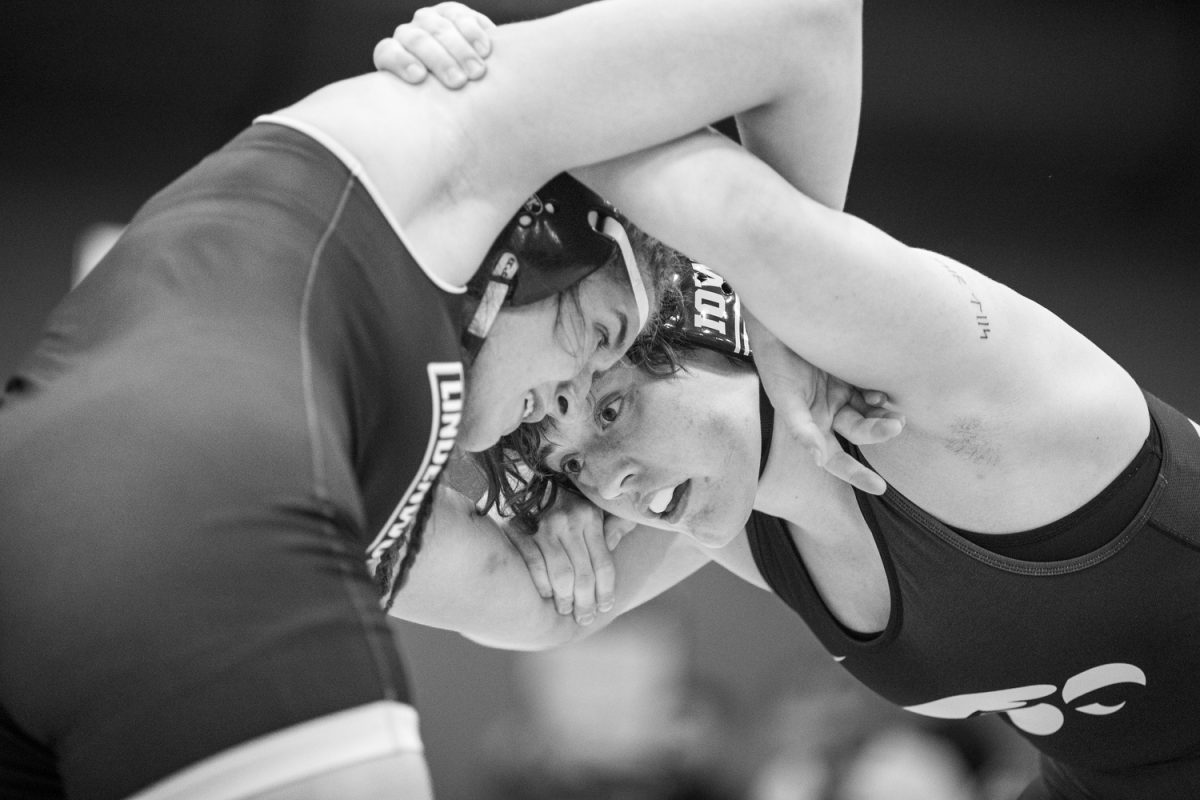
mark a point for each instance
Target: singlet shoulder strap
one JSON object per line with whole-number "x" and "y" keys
{"x": 1179, "y": 507}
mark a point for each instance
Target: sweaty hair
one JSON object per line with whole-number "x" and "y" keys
{"x": 518, "y": 482}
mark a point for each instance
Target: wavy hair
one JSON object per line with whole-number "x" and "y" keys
{"x": 518, "y": 482}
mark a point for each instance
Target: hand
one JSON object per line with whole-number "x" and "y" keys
{"x": 811, "y": 404}
{"x": 569, "y": 557}
{"x": 449, "y": 40}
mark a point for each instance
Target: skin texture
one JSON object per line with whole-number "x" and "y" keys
{"x": 532, "y": 351}
{"x": 638, "y": 434}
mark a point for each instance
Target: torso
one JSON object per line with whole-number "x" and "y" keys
{"x": 218, "y": 426}
{"x": 1076, "y": 651}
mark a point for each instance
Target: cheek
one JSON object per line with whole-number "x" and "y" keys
{"x": 609, "y": 506}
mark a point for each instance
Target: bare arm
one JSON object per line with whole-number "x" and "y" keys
{"x": 831, "y": 286}
{"x": 469, "y": 578}
{"x": 574, "y": 88}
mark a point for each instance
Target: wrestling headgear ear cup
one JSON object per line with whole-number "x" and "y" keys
{"x": 562, "y": 234}
{"x": 710, "y": 314}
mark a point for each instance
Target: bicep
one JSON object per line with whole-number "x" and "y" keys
{"x": 842, "y": 293}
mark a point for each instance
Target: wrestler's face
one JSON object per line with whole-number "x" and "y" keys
{"x": 678, "y": 452}
{"x": 533, "y": 350}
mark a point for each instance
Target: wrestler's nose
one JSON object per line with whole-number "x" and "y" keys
{"x": 568, "y": 395}
{"x": 612, "y": 474}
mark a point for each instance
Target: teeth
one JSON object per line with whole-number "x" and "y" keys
{"x": 661, "y": 500}
{"x": 528, "y": 407}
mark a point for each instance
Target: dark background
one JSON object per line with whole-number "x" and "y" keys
{"x": 1053, "y": 145}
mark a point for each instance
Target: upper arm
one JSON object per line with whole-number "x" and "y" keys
{"x": 573, "y": 88}
{"x": 842, "y": 293}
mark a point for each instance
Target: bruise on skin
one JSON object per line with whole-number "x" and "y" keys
{"x": 968, "y": 439}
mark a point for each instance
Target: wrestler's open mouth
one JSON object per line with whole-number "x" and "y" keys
{"x": 668, "y": 503}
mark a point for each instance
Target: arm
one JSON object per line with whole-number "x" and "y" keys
{"x": 451, "y": 42}
{"x": 577, "y": 87}
{"x": 469, "y": 578}
{"x": 949, "y": 346}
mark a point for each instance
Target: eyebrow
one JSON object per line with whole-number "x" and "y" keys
{"x": 624, "y": 329}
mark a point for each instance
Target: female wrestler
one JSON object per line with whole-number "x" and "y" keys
{"x": 262, "y": 381}
{"x": 1035, "y": 494}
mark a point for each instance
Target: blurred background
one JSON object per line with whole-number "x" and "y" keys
{"x": 1053, "y": 145}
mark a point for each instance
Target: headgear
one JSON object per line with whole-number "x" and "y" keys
{"x": 710, "y": 314}
{"x": 562, "y": 234}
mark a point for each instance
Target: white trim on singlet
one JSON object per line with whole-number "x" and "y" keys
{"x": 347, "y": 158}
{"x": 304, "y": 751}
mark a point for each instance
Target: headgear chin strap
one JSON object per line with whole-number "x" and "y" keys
{"x": 562, "y": 234}
{"x": 613, "y": 229}
{"x": 711, "y": 313}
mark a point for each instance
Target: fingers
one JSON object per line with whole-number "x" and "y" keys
{"x": 561, "y": 572}
{"x": 603, "y": 567}
{"x": 828, "y": 454}
{"x": 534, "y": 562}
{"x": 449, "y": 41}
{"x": 615, "y": 529}
{"x": 593, "y": 570}
{"x": 876, "y": 426}
{"x": 390, "y": 56}
{"x": 475, "y": 28}
{"x": 844, "y": 467}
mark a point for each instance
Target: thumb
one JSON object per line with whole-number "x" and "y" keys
{"x": 809, "y": 436}
{"x": 615, "y": 529}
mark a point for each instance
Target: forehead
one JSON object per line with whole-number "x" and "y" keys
{"x": 611, "y": 287}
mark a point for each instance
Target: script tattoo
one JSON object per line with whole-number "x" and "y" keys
{"x": 981, "y": 319}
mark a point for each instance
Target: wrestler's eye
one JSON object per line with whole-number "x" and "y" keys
{"x": 603, "y": 340}
{"x": 571, "y": 465}
{"x": 609, "y": 412}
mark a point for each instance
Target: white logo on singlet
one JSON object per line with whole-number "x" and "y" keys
{"x": 710, "y": 304}
{"x": 1044, "y": 718}
{"x": 446, "y": 398}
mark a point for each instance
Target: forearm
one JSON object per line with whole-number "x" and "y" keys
{"x": 468, "y": 578}
{"x": 647, "y": 561}
{"x": 629, "y": 74}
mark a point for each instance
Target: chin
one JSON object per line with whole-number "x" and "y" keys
{"x": 722, "y": 528}
{"x": 716, "y": 538}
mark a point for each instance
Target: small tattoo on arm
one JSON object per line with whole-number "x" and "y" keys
{"x": 981, "y": 319}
